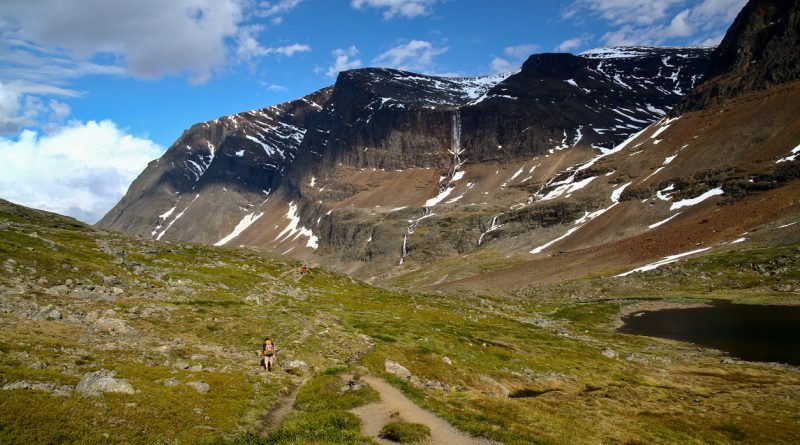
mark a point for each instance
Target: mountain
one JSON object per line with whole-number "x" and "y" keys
{"x": 600, "y": 162}
{"x": 337, "y": 175}
{"x": 759, "y": 51}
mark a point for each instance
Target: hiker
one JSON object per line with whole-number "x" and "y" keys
{"x": 303, "y": 269}
{"x": 268, "y": 353}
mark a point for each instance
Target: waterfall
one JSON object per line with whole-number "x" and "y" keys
{"x": 456, "y": 151}
{"x": 455, "y": 144}
{"x": 494, "y": 226}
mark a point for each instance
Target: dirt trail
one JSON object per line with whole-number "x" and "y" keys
{"x": 375, "y": 415}
{"x": 282, "y": 407}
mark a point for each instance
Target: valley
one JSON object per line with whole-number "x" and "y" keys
{"x": 546, "y": 256}
{"x": 536, "y": 365}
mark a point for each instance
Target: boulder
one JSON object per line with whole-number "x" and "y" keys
{"x": 352, "y": 385}
{"x": 397, "y": 369}
{"x": 610, "y": 353}
{"x": 200, "y": 386}
{"x": 113, "y": 326}
{"x": 94, "y": 383}
{"x": 172, "y": 382}
{"x": 296, "y": 367}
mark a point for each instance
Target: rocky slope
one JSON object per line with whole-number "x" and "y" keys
{"x": 759, "y": 51}
{"x": 573, "y": 164}
{"x": 337, "y": 176}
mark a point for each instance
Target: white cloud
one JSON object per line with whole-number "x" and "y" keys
{"x": 59, "y": 110}
{"x": 572, "y": 44}
{"x": 521, "y": 51}
{"x": 342, "y": 61}
{"x": 517, "y": 54}
{"x": 276, "y": 9}
{"x": 501, "y": 65}
{"x": 618, "y": 12}
{"x": 80, "y": 170}
{"x": 20, "y": 105}
{"x": 248, "y": 47}
{"x": 152, "y": 37}
{"x": 416, "y": 55}
{"x": 290, "y": 50}
{"x": 649, "y": 22}
{"x": 392, "y": 8}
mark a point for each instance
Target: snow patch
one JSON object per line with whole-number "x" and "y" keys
{"x": 293, "y": 230}
{"x": 792, "y": 157}
{"x": 663, "y": 261}
{"x": 246, "y": 222}
{"x": 663, "y": 221}
{"x": 696, "y": 200}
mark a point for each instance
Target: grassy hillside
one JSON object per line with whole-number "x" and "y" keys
{"x": 542, "y": 365}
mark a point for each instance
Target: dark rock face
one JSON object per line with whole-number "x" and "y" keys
{"x": 598, "y": 98}
{"x": 218, "y": 171}
{"x": 382, "y": 118}
{"x": 758, "y": 51}
{"x": 247, "y": 153}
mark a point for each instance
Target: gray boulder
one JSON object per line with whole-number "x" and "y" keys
{"x": 200, "y": 386}
{"x": 94, "y": 383}
{"x": 112, "y": 326}
{"x": 296, "y": 367}
{"x": 352, "y": 385}
{"x": 397, "y": 369}
{"x": 610, "y": 353}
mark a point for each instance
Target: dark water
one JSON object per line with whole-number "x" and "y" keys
{"x": 748, "y": 332}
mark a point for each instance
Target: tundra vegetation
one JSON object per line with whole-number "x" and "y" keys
{"x": 177, "y": 327}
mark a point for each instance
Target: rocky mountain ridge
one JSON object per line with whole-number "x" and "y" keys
{"x": 215, "y": 181}
{"x": 575, "y": 159}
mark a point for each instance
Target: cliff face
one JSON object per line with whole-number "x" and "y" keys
{"x": 381, "y": 118}
{"x": 760, "y": 50}
{"x": 213, "y": 170}
{"x": 306, "y": 177}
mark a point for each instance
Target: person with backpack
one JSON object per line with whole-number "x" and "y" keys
{"x": 268, "y": 353}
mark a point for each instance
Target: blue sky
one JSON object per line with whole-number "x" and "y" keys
{"x": 90, "y": 90}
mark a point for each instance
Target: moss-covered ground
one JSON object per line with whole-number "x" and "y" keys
{"x": 541, "y": 365}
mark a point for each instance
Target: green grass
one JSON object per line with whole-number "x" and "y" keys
{"x": 541, "y": 346}
{"x": 405, "y": 432}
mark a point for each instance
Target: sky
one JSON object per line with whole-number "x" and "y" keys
{"x": 92, "y": 90}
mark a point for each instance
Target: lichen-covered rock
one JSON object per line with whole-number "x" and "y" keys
{"x": 397, "y": 369}
{"x": 103, "y": 381}
{"x": 296, "y": 367}
{"x": 200, "y": 386}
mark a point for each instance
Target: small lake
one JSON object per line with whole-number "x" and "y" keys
{"x": 748, "y": 332}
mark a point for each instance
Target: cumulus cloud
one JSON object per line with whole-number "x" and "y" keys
{"x": 416, "y": 55}
{"x": 521, "y": 51}
{"x": 80, "y": 170}
{"x": 289, "y": 50}
{"x": 152, "y": 37}
{"x": 248, "y": 48}
{"x": 342, "y": 61}
{"x": 572, "y": 44}
{"x": 648, "y": 22}
{"x": 517, "y": 54}
{"x": 501, "y": 65}
{"x": 393, "y": 8}
{"x": 21, "y": 106}
{"x": 276, "y": 10}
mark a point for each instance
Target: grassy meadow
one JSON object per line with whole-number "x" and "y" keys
{"x": 540, "y": 365}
